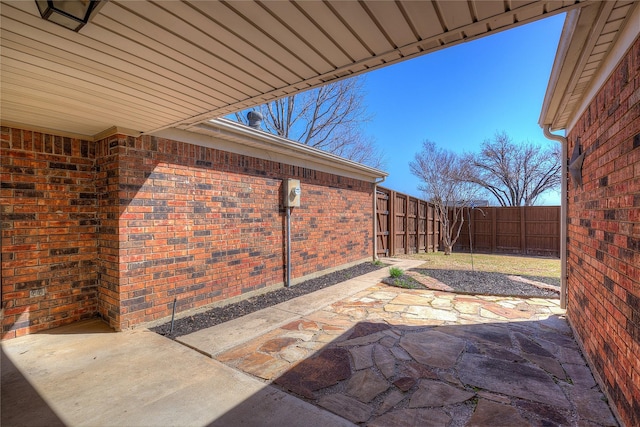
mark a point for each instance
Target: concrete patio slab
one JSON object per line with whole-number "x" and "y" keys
{"x": 87, "y": 375}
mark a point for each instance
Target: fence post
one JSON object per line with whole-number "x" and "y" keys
{"x": 406, "y": 224}
{"x": 439, "y": 227}
{"x": 431, "y": 223}
{"x": 422, "y": 207}
{"x": 494, "y": 229}
{"x": 472, "y": 226}
{"x": 392, "y": 223}
{"x": 523, "y": 229}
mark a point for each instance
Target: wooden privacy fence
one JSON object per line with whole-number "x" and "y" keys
{"x": 408, "y": 225}
{"x": 524, "y": 230}
{"x": 404, "y": 224}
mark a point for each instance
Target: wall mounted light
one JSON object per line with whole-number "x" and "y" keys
{"x": 575, "y": 165}
{"x": 71, "y": 14}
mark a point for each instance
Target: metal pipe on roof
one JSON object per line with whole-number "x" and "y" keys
{"x": 546, "y": 129}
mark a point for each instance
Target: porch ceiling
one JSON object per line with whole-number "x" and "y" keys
{"x": 147, "y": 66}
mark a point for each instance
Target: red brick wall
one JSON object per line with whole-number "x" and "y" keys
{"x": 107, "y": 190}
{"x": 604, "y": 236}
{"x": 203, "y": 225}
{"x": 48, "y": 210}
{"x": 123, "y": 226}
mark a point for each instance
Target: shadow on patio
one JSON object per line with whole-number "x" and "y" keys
{"x": 379, "y": 356}
{"x": 31, "y": 409}
{"x": 418, "y": 358}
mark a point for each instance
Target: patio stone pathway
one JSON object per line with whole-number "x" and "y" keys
{"x": 395, "y": 357}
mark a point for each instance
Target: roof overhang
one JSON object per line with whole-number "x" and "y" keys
{"x": 233, "y": 137}
{"x": 147, "y": 65}
{"x": 593, "y": 41}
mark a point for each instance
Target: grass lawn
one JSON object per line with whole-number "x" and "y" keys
{"x": 506, "y": 264}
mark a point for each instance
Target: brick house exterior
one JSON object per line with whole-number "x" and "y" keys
{"x": 122, "y": 226}
{"x": 603, "y": 219}
{"x": 603, "y": 302}
{"x": 66, "y": 202}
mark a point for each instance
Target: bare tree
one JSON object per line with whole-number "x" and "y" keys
{"x": 443, "y": 173}
{"x": 329, "y": 118}
{"x": 516, "y": 174}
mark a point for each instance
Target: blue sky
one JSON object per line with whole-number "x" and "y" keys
{"x": 462, "y": 95}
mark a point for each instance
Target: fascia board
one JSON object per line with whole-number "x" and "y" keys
{"x": 551, "y": 99}
{"x": 581, "y": 31}
{"x": 573, "y": 38}
{"x": 625, "y": 38}
{"x": 227, "y": 135}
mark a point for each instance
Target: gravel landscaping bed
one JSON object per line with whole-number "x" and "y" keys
{"x": 499, "y": 284}
{"x": 462, "y": 281}
{"x": 215, "y": 316}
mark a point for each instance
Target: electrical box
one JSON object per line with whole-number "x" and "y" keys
{"x": 291, "y": 192}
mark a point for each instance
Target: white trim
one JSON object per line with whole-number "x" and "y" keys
{"x": 44, "y": 130}
{"x": 568, "y": 30}
{"x": 227, "y": 135}
{"x": 625, "y": 39}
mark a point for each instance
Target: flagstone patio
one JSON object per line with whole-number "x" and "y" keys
{"x": 391, "y": 356}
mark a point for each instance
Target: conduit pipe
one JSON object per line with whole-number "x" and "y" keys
{"x": 288, "y": 247}
{"x": 546, "y": 129}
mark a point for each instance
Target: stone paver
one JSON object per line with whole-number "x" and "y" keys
{"x": 366, "y": 385}
{"x": 436, "y": 393}
{"x": 511, "y": 378}
{"x": 489, "y": 413}
{"x": 389, "y": 356}
{"x": 323, "y": 370}
{"x": 413, "y": 418}
{"x": 433, "y": 348}
{"x": 347, "y": 407}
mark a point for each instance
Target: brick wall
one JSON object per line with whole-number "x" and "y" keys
{"x": 48, "y": 212}
{"x": 107, "y": 191}
{"x": 203, "y": 225}
{"x": 604, "y": 236}
{"x": 123, "y": 226}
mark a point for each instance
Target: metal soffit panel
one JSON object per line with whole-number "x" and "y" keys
{"x": 147, "y": 65}
{"x": 604, "y": 30}
{"x": 594, "y": 32}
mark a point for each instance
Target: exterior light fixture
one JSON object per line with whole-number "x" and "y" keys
{"x": 71, "y": 14}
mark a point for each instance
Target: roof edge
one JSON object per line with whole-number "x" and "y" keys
{"x": 625, "y": 38}
{"x": 568, "y": 29}
{"x": 227, "y": 135}
{"x": 575, "y": 34}
{"x": 560, "y": 108}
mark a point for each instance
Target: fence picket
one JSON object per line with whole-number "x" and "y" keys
{"x": 407, "y": 225}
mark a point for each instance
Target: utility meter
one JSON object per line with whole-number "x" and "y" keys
{"x": 292, "y": 193}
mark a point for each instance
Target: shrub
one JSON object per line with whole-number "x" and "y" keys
{"x": 395, "y": 272}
